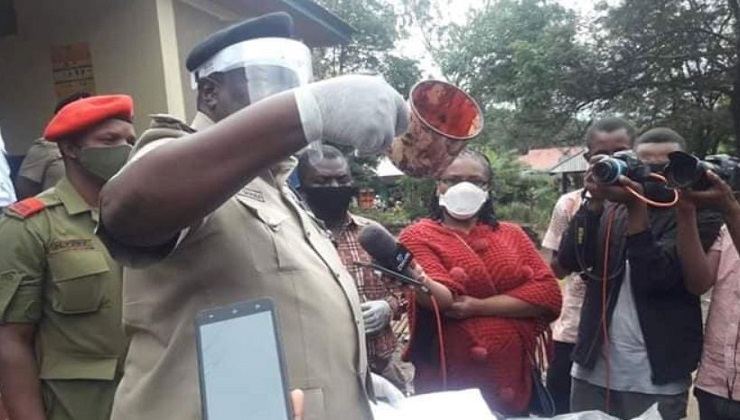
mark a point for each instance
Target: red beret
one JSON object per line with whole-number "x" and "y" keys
{"x": 85, "y": 113}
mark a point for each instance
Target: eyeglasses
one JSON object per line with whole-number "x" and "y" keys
{"x": 454, "y": 181}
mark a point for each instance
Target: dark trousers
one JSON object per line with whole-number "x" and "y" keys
{"x": 626, "y": 405}
{"x": 713, "y": 407}
{"x": 558, "y": 376}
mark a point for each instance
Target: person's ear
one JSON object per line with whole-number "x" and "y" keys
{"x": 69, "y": 148}
{"x": 438, "y": 189}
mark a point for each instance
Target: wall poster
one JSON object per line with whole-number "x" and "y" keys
{"x": 72, "y": 69}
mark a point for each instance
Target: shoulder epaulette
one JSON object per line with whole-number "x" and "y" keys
{"x": 363, "y": 221}
{"x": 171, "y": 122}
{"x": 26, "y": 208}
{"x": 163, "y": 126}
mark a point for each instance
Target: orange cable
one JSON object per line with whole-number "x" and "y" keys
{"x": 604, "y": 323}
{"x": 651, "y": 202}
{"x": 442, "y": 353}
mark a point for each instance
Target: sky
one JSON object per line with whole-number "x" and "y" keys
{"x": 413, "y": 46}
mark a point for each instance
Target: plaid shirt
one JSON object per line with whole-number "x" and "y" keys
{"x": 370, "y": 286}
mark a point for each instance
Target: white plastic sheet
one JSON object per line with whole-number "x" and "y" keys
{"x": 450, "y": 405}
{"x": 469, "y": 405}
{"x": 651, "y": 414}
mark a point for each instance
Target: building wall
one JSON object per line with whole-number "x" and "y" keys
{"x": 192, "y": 26}
{"x": 124, "y": 44}
{"x": 135, "y": 45}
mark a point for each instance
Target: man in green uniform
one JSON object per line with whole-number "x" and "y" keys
{"x": 61, "y": 340}
{"x": 43, "y": 166}
{"x": 203, "y": 215}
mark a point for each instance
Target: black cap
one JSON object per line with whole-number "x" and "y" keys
{"x": 271, "y": 25}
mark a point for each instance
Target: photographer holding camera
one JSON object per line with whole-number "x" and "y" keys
{"x": 716, "y": 391}
{"x": 640, "y": 333}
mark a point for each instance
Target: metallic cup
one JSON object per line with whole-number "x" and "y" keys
{"x": 443, "y": 118}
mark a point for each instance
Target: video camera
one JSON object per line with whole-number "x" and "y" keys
{"x": 608, "y": 170}
{"x": 685, "y": 170}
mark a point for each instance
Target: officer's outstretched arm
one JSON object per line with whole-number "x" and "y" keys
{"x": 156, "y": 196}
{"x": 19, "y": 377}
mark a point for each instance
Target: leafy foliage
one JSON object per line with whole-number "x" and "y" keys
{"x": 671, "y": 63}
{"x": 520, "y": 58}
{"x": 379, "y": 27}
{"x": 542, "y": 73}
{"x": 520, "y": 195}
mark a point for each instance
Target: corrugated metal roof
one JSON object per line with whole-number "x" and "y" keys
{"x": 386, "y": 168}
{"x": 573, "y": 164}
{"x": 544, "y": 159}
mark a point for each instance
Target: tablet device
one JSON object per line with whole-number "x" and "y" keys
{"x": 241, "y": 364}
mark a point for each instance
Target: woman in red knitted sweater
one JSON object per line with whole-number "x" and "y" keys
{"x": 496, "y": 294}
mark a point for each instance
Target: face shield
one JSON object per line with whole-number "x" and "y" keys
{"x": 271, "y": 65}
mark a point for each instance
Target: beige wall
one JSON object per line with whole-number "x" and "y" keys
{"x": 138, "y": 47}
{"x": 124, "y": 43}
{"x": 192, "y": 26}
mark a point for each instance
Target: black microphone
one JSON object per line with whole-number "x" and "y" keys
{"x": 389, "y": 257}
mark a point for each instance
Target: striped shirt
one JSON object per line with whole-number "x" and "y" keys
{"x": 370, "y": 286}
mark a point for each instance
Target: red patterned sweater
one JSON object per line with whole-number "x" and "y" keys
{"x": 489, "y": 353}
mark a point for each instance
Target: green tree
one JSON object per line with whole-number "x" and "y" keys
{"x": 521, "y": 59}
{"x": 657, "y": 62}
{"x": 379, "y": 26}
{"x": 672, "y": 62}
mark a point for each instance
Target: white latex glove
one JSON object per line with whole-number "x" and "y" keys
{"x": 360, "y": 111}
{"x": 377, "y": 315}
{"x": 386, "y": 391}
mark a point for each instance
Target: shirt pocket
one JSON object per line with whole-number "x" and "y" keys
{"x": 71, "y": 366}
{"x": 273, "y": 248}
{"x": 314, "y": 406}
{"x": 77, "y": 281}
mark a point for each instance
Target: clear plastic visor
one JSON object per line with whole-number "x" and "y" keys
{"x": 271, "y": 65}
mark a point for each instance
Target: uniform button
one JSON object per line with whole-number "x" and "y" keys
{"x": 357, "y": 321}
{"x": 308, "y": 234}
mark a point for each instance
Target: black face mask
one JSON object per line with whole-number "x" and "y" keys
{"x": 657, "y": 168}
{"x": 329, "y": 203}
{"x": 657, "y": 191}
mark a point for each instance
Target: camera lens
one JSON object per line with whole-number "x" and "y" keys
{"x": 608, "y": 170}
{"x": 683, "y": 170}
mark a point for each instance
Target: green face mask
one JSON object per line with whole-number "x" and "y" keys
{"x": 104, "y": 162}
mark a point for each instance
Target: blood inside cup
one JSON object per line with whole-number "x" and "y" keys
{"x": 443, "y": 118}
{"x": 446, "y": 109}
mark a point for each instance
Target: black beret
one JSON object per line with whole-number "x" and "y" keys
{"x": 271, "y": 25}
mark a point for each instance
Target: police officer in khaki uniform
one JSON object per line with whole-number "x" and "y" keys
{"x": 204, "y": 212}
{"x": 61, "y": 340}
{"x": 41, "y": 169}
{"x": 43, "y": 165}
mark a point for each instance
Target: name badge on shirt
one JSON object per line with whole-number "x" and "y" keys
{"x": 71, "y": 244}
{"x": 252, "y": 194}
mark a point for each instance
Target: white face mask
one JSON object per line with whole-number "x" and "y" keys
{"x": 463, "y": 201}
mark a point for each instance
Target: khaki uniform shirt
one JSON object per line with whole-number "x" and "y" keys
{"x": 43, "y": 164}
{"x": 55, "y": 273}
{"x": 258, "y": 243}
